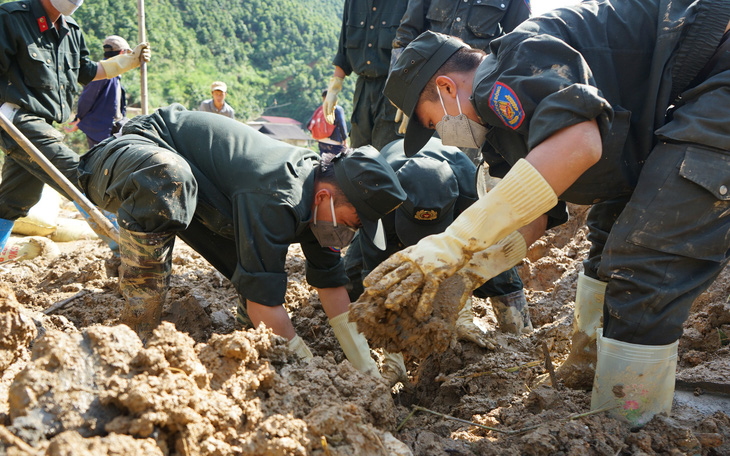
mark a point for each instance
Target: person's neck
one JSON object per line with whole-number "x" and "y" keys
{"x": 53, "y": 14}
{"x": 219, "y": 106}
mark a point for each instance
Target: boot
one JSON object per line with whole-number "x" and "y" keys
{"x": 300, "y": 348}
{"x": 511, "y": 312}
{"x": 393, "y": 369}
{"x": 354, "y": 345}
{"x": 6, "y": 227}
{"x": 144, "y": 278}
{"x": 578, "y": 370}
{"x": 635, "y": 381}
{"x": 243, "y": 318}
{"x": 97, "y": 229}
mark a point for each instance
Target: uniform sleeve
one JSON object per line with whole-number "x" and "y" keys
{"x": 87, "y": 67}
{"x": 340, "y": 59}
{"x": 517, "y": 12}
{"x": 412, "y": 24}
{"x": 264, "y": 229}
{"x": 7, "y": 45}
{"x": 324, "y": 266}
{"x": 536, "y": 85}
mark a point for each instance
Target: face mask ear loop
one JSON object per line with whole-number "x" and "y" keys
{"x": 332, "y": 206}
{"x": 441, "y": 100}
{"x": 457, "y": 102}
{"x": 314, "y": 221}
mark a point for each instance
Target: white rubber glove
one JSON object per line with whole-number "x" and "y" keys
{"x": 333, "y": 89}
{"x": 403, "y": 119}
{"x": 124, "y": 62}
{"x": 354, "y": 345}
{"x": 393, "y": 369}
{"x": 518, "y": 199}
{"x": 467, "y": 330}
{"x": 300, "y": 348}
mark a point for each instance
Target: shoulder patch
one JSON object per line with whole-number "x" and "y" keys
{"x": 506, "y": 105}
{"x": 15, "y": 6}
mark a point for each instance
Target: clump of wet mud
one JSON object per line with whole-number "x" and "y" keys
{"x": 398, "y": 331}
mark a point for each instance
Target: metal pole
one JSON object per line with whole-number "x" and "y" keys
{"x": 59, "y": 178}
{"x": 143, "y": 64}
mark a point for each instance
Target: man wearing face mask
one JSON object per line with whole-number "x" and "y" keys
{"x": 43, "y": 59}
{"x": 239, "y": 198}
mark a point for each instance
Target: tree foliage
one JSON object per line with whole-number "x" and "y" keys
{"x": 275, "y": 56}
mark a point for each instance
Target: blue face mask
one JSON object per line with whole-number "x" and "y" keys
{"x": 331, "y": 234}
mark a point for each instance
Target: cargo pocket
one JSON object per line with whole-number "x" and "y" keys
{"x": 71, "y": 63}
{"x": 37, "y": 63}
{"x": 690, "y": 210}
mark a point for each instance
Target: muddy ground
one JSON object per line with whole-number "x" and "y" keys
{"x": 74, "y": 382}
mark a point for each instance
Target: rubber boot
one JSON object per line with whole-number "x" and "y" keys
{"x": 354, "y": 345}
{"x": 393, "y": 369}
{"x": 6, "y": 227}
{"x": 578, "y": 370}
{"x": 144, "y": 278}
{"x": 97, "y": 229}
{"x": 300, "y": 348}
{"x": 243, "y": 318}
{"x": 634, "y": 381}
{"x": 511, "y": 312}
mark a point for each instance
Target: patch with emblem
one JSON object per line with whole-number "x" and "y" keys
{"x": 425, "y": 215}
{"x": 42, "y": 24}
{"x": 506, "y": 105}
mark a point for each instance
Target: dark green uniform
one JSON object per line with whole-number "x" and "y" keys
{"x": 40, "y": 71}
{"x": 236, "y": 196}
{"x": 476, "y": 22}
{"x": 362, "y": 256}
{"x": 623, "y": 63}
{"x": 368, "y": 29}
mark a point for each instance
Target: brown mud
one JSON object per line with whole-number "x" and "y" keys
{"x": 75, "y": 382}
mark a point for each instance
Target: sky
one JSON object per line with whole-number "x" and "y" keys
{"x": 540, "y": 6}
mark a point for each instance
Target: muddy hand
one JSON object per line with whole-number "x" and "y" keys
{"x": 392, "y": 282}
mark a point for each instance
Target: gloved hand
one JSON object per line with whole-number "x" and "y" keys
{"x": 333, "y": 89}
{"x": 467, "y": 330}
{"x": 124, "y": 62}
{"x": 519, "y": 198}
{"x": 403, "y": 119}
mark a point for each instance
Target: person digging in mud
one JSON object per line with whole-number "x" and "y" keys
{"x": 427, "y": 211}
{"x": 36, "y": 37}
{"x": 594, "y": 103}
{"x": 240, "y": 199}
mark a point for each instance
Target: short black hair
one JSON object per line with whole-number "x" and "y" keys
{"x": 326, "y": 173}
{"x": 463, "y": 60}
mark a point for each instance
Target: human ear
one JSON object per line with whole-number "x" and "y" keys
{"x": 446, "y": 85}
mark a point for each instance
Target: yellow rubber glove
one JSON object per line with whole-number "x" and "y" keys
{"x": 403, "y": 119}
{"x": 124, "y": 62}
{"x": 333, "y": 89}
{"x": 518, "y": 199}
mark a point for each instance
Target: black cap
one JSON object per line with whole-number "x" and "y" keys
{"x": 371, "y": 186}
{"x": 433, "y": 190}
{"x": 410, "y": 74}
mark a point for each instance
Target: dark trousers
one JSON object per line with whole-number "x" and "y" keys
{"x": 373, "y": 115}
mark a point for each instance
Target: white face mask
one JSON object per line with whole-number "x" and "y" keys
{"x": 66, "y": 7}
{"x": 330, "y": 234}
{"x": 460, "y": 131}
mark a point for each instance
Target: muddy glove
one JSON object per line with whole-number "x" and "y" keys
{"x": 518, "y": 199}
{"x": 467, "y": 330}
{"x": 330, "y": 100}
{"x": 124, "y": 62}
{"x": 403, "y": 119}
{"x": 298, "y": 347}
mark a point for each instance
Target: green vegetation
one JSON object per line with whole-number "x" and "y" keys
{"x": 276, "y": 57}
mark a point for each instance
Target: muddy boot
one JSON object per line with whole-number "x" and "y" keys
{"x": 511, "y": 312}
{"x": 242, "y": 315}
{"x": 635, "y": 382}
{"x": 113, "y": 246}
{"x": 393, "y": 369}
{"x": 577, "y": 371}
{"x": 144, "y": 278}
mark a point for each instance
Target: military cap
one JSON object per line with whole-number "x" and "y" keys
{"x": 410, "y": 74}
{"x": 432, "y": 189}
{"x": 371, "y": 186}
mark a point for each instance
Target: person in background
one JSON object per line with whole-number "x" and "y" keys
{"x": 103, "y": 104}
{"x": 368, "y": 29}
{"x": 43, "y": 59}
{"x": 217, "y": 104}
{"x": 336, "y": 142}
